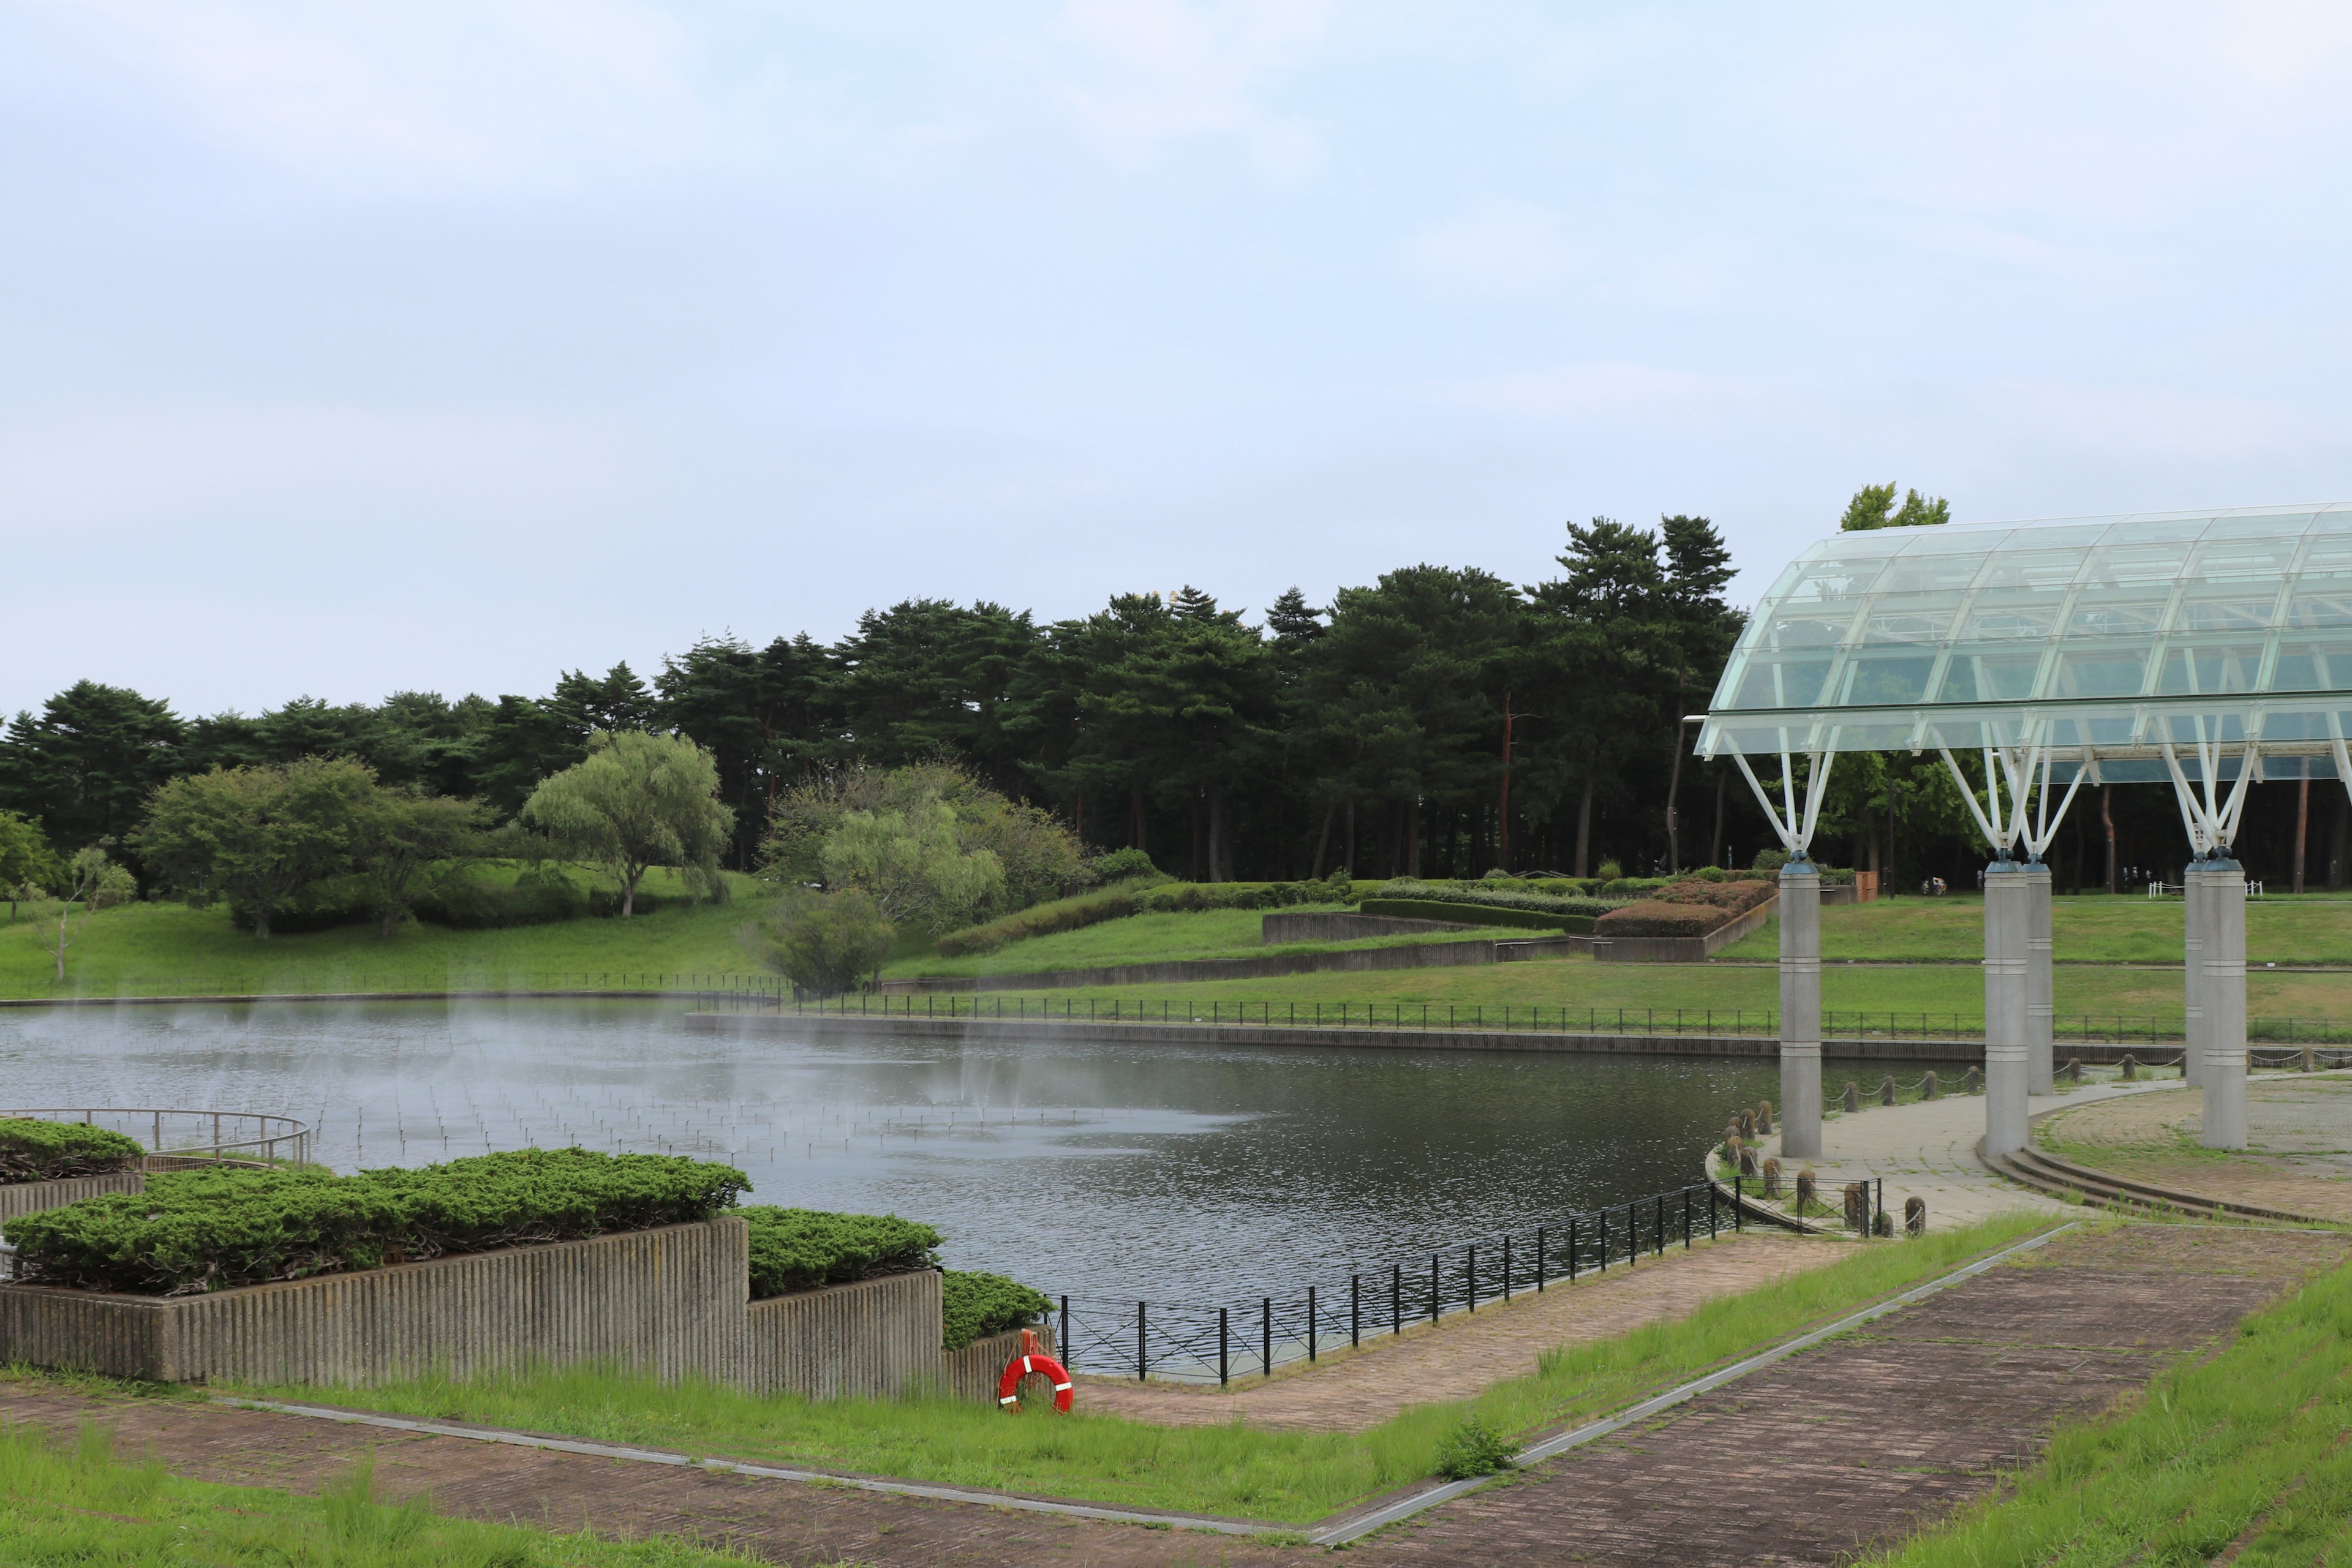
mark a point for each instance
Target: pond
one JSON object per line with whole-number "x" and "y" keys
{"x": 1169, "y": 1173}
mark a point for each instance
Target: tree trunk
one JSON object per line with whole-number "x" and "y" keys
{"x": 2302, "y": 822}
{"x": 1079, "y": 813}
{"x": 1134, "y": 815}
{"x": 1412, "y": 836}
{"x": 1673, "y": 798}
{"x": 629, "y": 893}
{"x": 1352, "y": 838}
{"x": 1715, "y": 842}
{"x": 2107, "y": 822}
{"x": 1192, "y": 866}
{"x": 1216, "y": 833}
{"x": 1323, "y": 840}
{"x": 1584, "y": 831}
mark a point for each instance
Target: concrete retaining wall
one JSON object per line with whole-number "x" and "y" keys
{"x": 874, "y": 1338}
{"x": 1681, "y": 949}
{"x": 1324, "y": 926}
{"x": 1177, "y": 971}
{"x": 972, "y": 1372}
{"x": 33, "y": 1197}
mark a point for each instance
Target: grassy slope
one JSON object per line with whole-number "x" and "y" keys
{"x": 2245, "y": 1449}
{"x": 1153, "y": 939}
{"x": 79, "y": 1504}
{"x": 1286, "y": 1476}
{"x": 2309, "y": 930}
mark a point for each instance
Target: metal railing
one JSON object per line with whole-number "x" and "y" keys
{"x": 1203, "y": 1342}
{"x": 668, "y": 982}
{"x": 180, "y": 1139}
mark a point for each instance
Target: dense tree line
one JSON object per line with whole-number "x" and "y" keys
{"x": 1439, "y": 721}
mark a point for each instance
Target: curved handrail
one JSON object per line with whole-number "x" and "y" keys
{"x": 272, "y": 1140}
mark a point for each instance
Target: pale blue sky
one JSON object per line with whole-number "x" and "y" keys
{"x": 347, "y": 348}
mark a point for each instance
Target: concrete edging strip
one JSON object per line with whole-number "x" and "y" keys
{"x": 1348, "y": 1528}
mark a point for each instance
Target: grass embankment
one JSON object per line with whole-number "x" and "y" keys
{"x": 2092, "y": 929}
{"x": 77, "y": 1503}
{"x": 2244, "y": 1450}
{"x": 1157, "y": 938}
{"x": 1279, "y": 1477}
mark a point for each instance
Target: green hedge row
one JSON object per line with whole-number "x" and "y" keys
{"x": 974, "y": 1306}
{"x": 210, "y": 1230}
{"x": 1192, "y": 898}
{"x": 801, "y": 1249}
{"x": 1113, "y": 903}
{"x": 1650, "y": 917}
{"x": 1475, "y": 915}
{"x": 1737, "y": 897}
{"x": 32, "y": 1150}
{"x": 1494, "y": 898}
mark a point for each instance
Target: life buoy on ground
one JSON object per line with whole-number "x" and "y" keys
{"x": 1033, "y": 1361}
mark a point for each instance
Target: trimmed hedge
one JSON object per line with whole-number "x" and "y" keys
{"x": 1192, "y": 898}
{"x": 802, "y": 1249}
{"x": 1113, "y": 903}
{"x": 1649, "y": 917}
{"x": 471, "y": 903}
{"x": 974, "y": 1306}
{"x": 1489, "y": 897}
{"x": 1737, "y": 897}
{"x": 32, "y": 1150}
{"x": 1475, "y": 915}
{"x": 212, "y": 1230}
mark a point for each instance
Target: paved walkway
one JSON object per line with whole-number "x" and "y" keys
{"x": 2298, "y": 1135}
{"x": 1461, "y": 1354}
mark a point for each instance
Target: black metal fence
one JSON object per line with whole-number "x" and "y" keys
{"x": 1200, "y": 1342}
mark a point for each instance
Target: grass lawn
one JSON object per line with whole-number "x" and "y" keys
{"x": 2093, "y": 928}
{"x": 1156, "y": 939}
{"x": 2243, "y": 1451}
{"x": 169, "y": 948}
{"x": 76, "y": 1503}
{"x": 1289, "y": 1478}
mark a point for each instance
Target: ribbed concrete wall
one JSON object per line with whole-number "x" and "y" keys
{"x": 33, "y": 1197}
{"x": 874, "y": 1338}
{"x": 1276, "y": 928}
{"x": 668, "y": 1300}
{"x": 1178, "y": 970}
{"x": 972, "y": 1372}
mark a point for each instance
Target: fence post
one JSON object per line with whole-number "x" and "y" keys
{"x": 1658, "y": 1237}
{"x": 1310, "y": 1325}
{"x": 1710, "y": 1211}
{"x": 1433, "y": 1287}
{"x": 1470, "y": 1274}
{"x": 1266, "y": 1332}
{"x": 1603, "y": 1217}
{"x": 1738, "y": 1203}
{"x": 1687, "y": 1219}
{"x": 1506, "y": 1266}
{"x": 1355, "y": 1311}
{"x": 1070, "y": 1351}
{"x": 1141, "y": 1363}
{"x": 1225, "y": 1339}
{"x": 1539, "y": 1259}
{"x": 1571, "y": 1250}
{"x": 1396, "y": 1298}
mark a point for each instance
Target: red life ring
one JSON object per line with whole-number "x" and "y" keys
{"x": 1008, "y": 1387}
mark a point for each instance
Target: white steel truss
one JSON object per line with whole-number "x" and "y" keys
{"x": 2212, "y": 818}
{"x": 2028, "y": 819}
{"x": 1794, "y": 825}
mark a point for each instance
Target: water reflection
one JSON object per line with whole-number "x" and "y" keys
{"x": 1175, "y": 1171}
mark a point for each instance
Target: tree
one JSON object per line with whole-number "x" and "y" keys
{"x": 258, "y": 835}
{"x": 1701, "y": 630}
{"x": 401, "y": 835}
{"x": 95, "y": 883}
{"x": 28, "y": 868}
{"x": 1873, "y": 506}
{"x": 760, "y": 713}
{"x": 637, "y": 801}
{"x": 824, "y": 942}
{"x": 85, "y": 767}
{"x": 1602, "y": 638}
{"x": 912, "y": 865}
{"x": 1038, "y": 856}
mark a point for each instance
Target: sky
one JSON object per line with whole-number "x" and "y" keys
{"x": 448, "y": 344}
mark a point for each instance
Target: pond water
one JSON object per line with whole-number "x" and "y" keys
{"x": 1169, "y": 1172}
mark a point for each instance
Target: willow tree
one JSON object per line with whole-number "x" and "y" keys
{"x": 637, "y": 801}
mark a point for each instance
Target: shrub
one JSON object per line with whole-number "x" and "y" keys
{"x": 1632, "y": 886}
{"x": 1120, "y": 865}
{"x": 604, "y": 903}
{"x": 1044, "y": 920}
{"x": 801, "y": 1249}
{"x": 974, "y": 1306}
{"x": 1737, "y": 897}
{"x": 1192, "y": 898}
{"x": 1474, "y": 1449}
{"x": 1650, "y": 917}
{"x": 210, "y": 1230}
{"x": 1769, "y": 861}
{"x": 825, "y": 943}
{"x": 1610, "y": 870}
{"x": 1485, "y": 895}
{"x": 1475, "y": 915}
{"x": 541, "y": 897}
{"x": 32, "y": 1150}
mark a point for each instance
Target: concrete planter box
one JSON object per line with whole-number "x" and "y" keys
{"x": 873, "y": 1339}
{"x": 1609, "y": 949}
{"x": 33, "y": 1197}
{"x": 669, "y": 1300}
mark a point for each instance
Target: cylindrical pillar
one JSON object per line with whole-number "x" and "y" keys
{"x": 2192, "y": 971}
{"x": 2041, "y": 989}
{"x": 2225, "y": 1005}
{"x": 2006, "y": 893}
{"x": 1801, "y": 1010}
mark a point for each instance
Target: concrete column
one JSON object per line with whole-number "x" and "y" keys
{"x": 2224, "y": 1079}
{"x": 1801, "y": 1010}
{"x": 2040, "y": 988}
{"x": 2006, "y": 893}
{"x": 2192, "y": 970}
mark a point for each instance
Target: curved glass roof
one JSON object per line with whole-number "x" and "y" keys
{"x": 2100, "y": 636}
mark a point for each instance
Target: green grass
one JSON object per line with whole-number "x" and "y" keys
{"x": 2093, "y": 928}
{"x": 2247, "y": 1445}
{"x": 77, "y": 1503}
{"x": 1152, "y": 939}
{"x": 169, "y": 948}
{"x": 1279, "y": 1476}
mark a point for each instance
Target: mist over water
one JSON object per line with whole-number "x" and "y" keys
{"x": 1172, "y": 1172}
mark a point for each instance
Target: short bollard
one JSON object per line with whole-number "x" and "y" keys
{"x": 1808, "y": 1185}
{"x": 2130, "y": 1067}
{"x": 1858, "y": 1206}
{"x": 1851, "y": 1101}
{"x": 1974, "y": 1083}
{"x": 1747, "y": 1124}
{"x": 1764, "y": 1117}
{"x": 1931, "y": 1086}
{"x": 2310, "y": 1060}
{"x": 1887, "y": 1091}
{"x": 2074, "y": 1070}
{"x": 1747, "y": 1162}
{"x": 1772, "y": 1178}
{"x": 1915, "y": 1215}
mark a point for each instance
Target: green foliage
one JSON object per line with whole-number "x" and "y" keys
{"x": 211, "y": 1230}
{"x": 1044, "y": 920}
{"x": 912, "y": 864}
{"x": 801, "y": 1249}
{"x": 32, "y": 1150}
{"x": 1493, "y": 895}
{"x": 1474, "y": 1449}
{"x": 1190, "y": 897}
{"x": 637, "y": 801}
{"x": 1873, "y": 507}
{"x": 825, "y": 943}
{"x": 1769, "y": 861}
{"x": 468, "y": 900}
{"x": 259, "y": 836}
{"x": 401, "y": 838}
{"x": 91, "y": 884}
{"x": 1715, "y": 893}
{"x": 1466, "y": 913}
{"x": 27, "y": 866}
{"x": 1118, "y": 865}
{"x": 973, "y": 1306}
{"x": 1652, "y": 917}
{"x": 71, "y": 1501}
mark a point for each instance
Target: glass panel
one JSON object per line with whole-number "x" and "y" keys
{"x": 1907, "y": 618}
{"x": 1809, "y": 630}
{"x": 1790, "y": 681}
{"x": 1986, "y": 677}
{"x": 2321, "y": 602}
{"x": 2209, "y": 669}
{"x": 2094, "y": 672}
{"x": 2011, "y": 614}
{"x": 2245, "y": 607}
{"x": 1881, "y": 679}
{"x": 2313, "y": 664}
{"x": 2119, "y": 613}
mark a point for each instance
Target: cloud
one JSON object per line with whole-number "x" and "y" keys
{"x": 1145, "y": 74}
{"x": 1497, "y": 245}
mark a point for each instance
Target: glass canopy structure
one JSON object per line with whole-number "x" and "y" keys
{"x": 2096, "y": 644}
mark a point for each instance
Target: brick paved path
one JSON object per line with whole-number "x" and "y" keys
{"x": 1807, "y": 1462}
{"x": 1845, "y": 1448}
{"x": 1463, "y": 1353}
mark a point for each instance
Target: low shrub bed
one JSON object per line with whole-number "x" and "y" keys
{"x": 1737, "y": 897}
{"x": 1190, "y": 897}
{"x": 193, "y": 1231}
{"x": 1652, "y": 917}
{"x": 1487, "y": 897}
{"x": 1475, "y": 915}
{"x": 32, "y": 1150}
{"x": 802, "y": 1249}
{"x": 1115, "y": 903}
{"x": 974, "y": 1306}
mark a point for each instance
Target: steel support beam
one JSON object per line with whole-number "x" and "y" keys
{"x": 2008, "y": 925}
{"x": 2195, "y": 889}
{"x": 2224, "y": 1081}
{"x": 1801, "y": 1010}
{"x": 2040, "y": 984}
